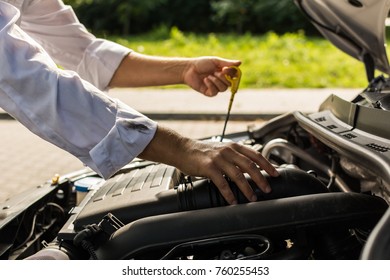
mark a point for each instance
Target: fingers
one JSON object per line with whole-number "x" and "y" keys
{"x": 208, "y": 75}
{"x": 238, "y": 163}
{"x": 234, "y": 161}
{"x": 237, "y": 176}
{"x": 216, "y": 83}
{"x": 256, "y": 157}
{"x": 223, "y": 187}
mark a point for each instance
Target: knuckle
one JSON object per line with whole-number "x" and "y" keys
{"x": 224, "y": 186}
{"x": 216, "y": 157}
{"x": 235, "y": 146}
{"x": 252, "y": 167}
{"x": 238, "y": 176}
{"x": 229, "y": 148}
{"x": 224, "y": 151}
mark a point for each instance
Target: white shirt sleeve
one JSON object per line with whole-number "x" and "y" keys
{"x": 55, "y": 27}
{"x": 62, "y": 108}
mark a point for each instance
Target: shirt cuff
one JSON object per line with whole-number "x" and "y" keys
{"x": 100, "y": 61}
{"x": 129, "y": 136}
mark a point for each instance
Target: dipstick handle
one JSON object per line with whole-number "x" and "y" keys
{"x": 234, "y": 84}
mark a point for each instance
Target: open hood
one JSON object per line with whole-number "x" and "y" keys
{"x": 357, "y": 27}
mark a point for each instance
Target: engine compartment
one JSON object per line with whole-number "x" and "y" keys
{"x": 329, "y": 202}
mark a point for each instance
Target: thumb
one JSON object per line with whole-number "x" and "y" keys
{"x": 228, "y": 62}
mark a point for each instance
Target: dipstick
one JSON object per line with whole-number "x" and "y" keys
{"x": 234, "y": 84}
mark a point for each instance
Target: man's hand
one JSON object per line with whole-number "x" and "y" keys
{"x": 207, "y": 74}
{"x": 213, "y": 160}
{"x": 204, "y": 74}
{"x": 216, "y": 160}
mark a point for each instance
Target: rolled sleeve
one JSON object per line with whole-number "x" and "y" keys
{"x": 100, "y": 61}
{"x": 126, "y": 140}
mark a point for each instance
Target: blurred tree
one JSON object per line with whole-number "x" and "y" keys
{"x": 116, "y": 16}
{"x": 262, "y": 16}
{"x": 193, "y": 16}
{"x": 234, "y": 13}
{"x": 281, "y": 16}
{"x": 202, "y": 16}
{"x": 139, "y": 10}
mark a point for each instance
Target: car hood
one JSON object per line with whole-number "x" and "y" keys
{"x": 357, "y": 27}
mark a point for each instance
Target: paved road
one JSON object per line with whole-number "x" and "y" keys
{"x": 27, "y": 161}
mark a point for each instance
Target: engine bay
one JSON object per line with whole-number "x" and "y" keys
{"x": 331, "y": 194}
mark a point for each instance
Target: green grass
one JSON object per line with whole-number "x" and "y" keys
{"x": 271, "y": 60}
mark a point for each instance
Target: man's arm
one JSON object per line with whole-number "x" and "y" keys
{"x": 204, "y": 74}
{"x": 107, "y": 64}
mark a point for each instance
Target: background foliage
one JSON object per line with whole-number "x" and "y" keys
{"x": 201, "y": 16}
{"x": 290, "y": 60}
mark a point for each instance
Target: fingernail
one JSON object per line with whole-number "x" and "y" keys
{"x": 234, "y": 202}
{"x": 253, "y": 198}
{"x": 268, "y": 189}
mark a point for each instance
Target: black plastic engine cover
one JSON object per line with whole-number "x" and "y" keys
{"x": 131, "y": 196}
